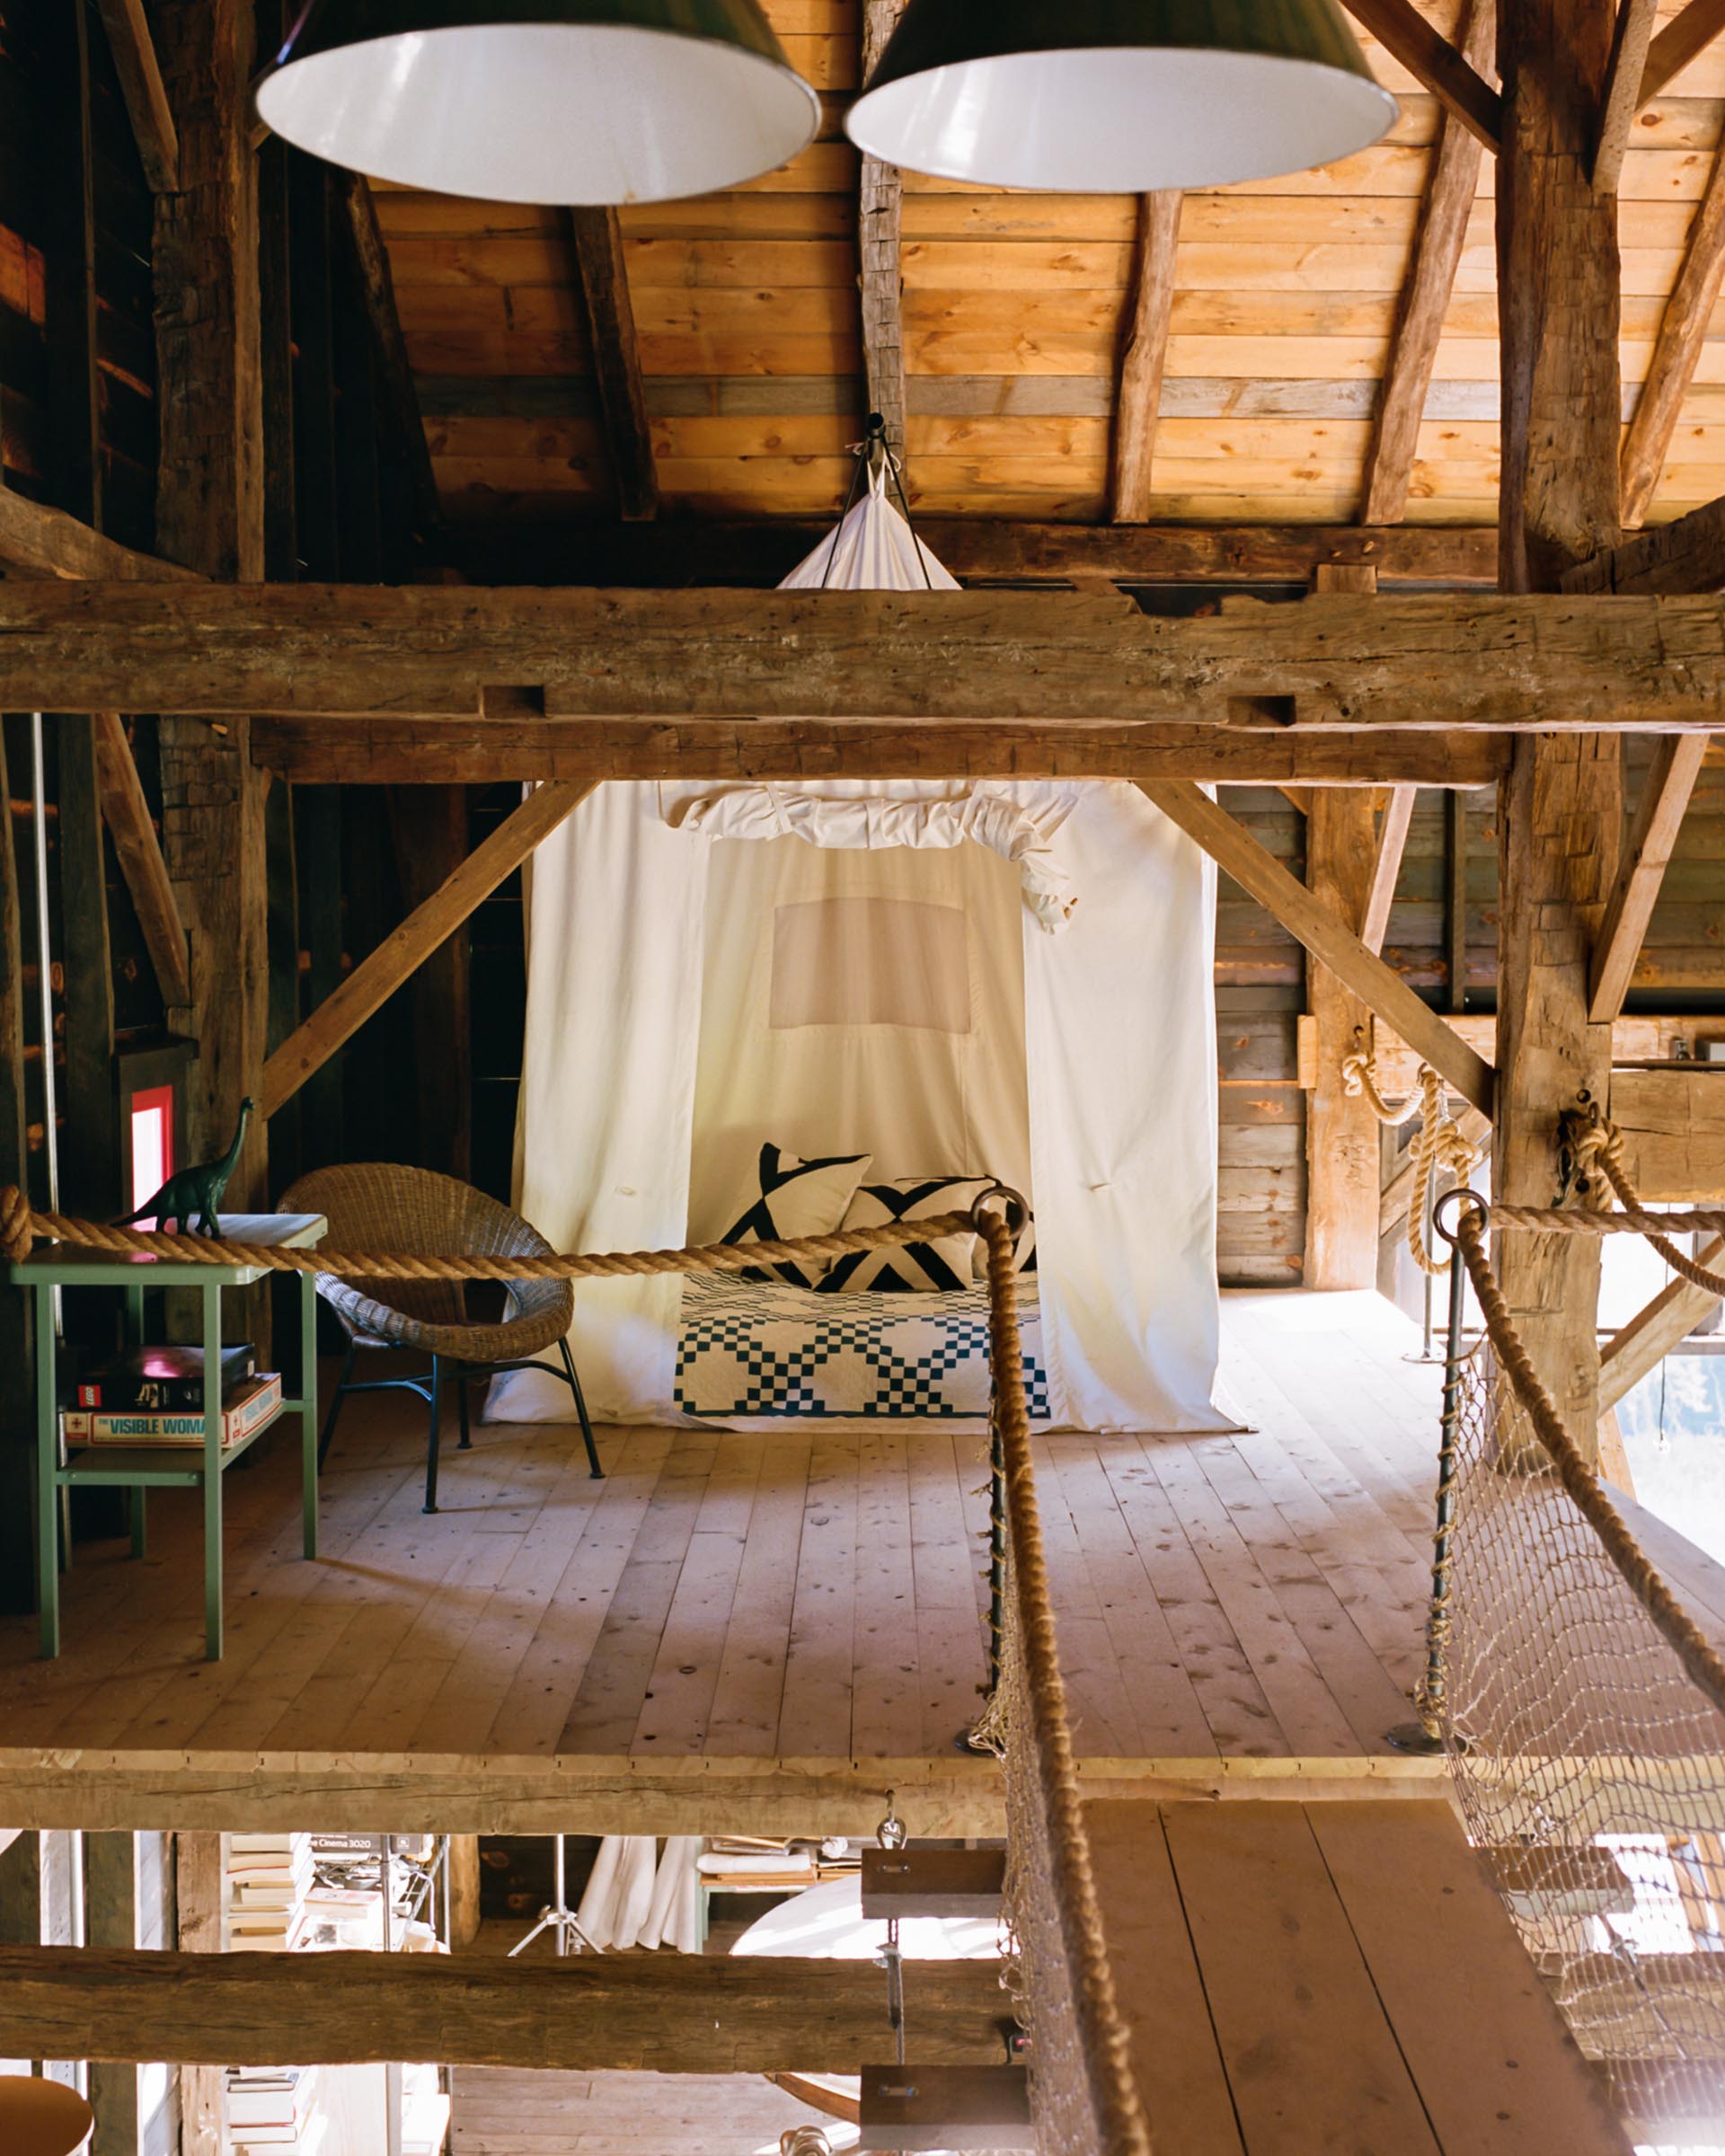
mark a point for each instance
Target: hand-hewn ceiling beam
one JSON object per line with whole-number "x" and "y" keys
{"x": 665, "y": 2013}
{"x": 36, "y": 541}
{"x": 1429, "y": 57}
{"x": 1678, "y": 43}
{"x": 880, "y": 277}
{"x": 1449, "y": 200}
{"x": 1676, "y": 350}
{"x": 126, "y": 814}
{"x": 1633, "y": 35}
{"x": 1016, "y": 658}
{"x": 595, "y": 244}
{"x": 1311, "y": 922}
{"x": 1138, "y": 402}
{"x": 147, "y": 99}
{"x": 412, "y": 752}
{"x": 381, "y": 971}
{"x": 1665, "y": 561}
{"x": 1386, "y": 866}
{"x": 1678, "y": 759}
{"x": 981, "y": 548}
{"x": 377, "y": 290}
{"x": 1656, "y": 1328}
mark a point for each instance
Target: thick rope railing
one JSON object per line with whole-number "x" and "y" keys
{"x": 1704, "y": 1666}
{"x": 21, "y": 1226}
{"x": 1112, "y": 2090}
{"x": 1438, "y": 1143}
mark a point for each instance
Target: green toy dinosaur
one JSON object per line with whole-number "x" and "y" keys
{"x": 191, "y": 1195}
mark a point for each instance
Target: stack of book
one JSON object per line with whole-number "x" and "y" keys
{"x": 749, "y": 1861}
{"x": 155, "y": 1396}
{"x": 268, "y": 2107}
{"x": 269, "y": 1878}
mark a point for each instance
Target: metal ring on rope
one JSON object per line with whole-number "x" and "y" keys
{"x": 1017, "y": 1211}
{"x": 1456, "y": 1197}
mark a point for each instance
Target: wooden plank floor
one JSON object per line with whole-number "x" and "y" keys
{"x": 1299, "y": 1979}
{"x": 805, "y": 1594}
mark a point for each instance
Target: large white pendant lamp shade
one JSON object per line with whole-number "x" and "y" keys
{"x": 1119, "y": 96}
{"x": 527, "y": 101}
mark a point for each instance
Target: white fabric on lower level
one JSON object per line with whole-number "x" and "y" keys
{"x": 631, "y": 1901}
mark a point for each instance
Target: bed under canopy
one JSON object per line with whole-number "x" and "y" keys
{"x": 950, "y": 979}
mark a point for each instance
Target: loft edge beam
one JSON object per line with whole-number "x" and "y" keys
{"x": 1311, "y": 922}
{"x": 410, "y": 752}
{"x": 668, "y": 2014}
{"x": 1029, "y": 661}
{"x": 381, "y": 971}
{"x": 147, "y": 98}
{"x": 1429, "y": 57}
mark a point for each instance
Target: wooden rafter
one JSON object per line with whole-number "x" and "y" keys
{"x": 1386, "y": 866}
{"x": 1678, "y": 43}
{"x": 411, "y": 752}
{"x": 1138, "y": 400}
{"x": 377, "y": 290}
{"x": 1429, "y": 57}
{"x": 596, "y": 245}
{"x": 38, "y": 541}
{"x": 1021, "y": 661}
{"x": 141, "y": 85}
{"x": 1311, "y": 922}
{"x": 1425, "y": 297}
{"x": 1676, "y": 351}
{"x": 668, "y": 2013}
{"x": 377, "y": 975}
{"x": 1677, "y": 760}
{"x": 880, "y": 276}
{"x": 1633, "y": 35}
{"x": 126, "y": 814}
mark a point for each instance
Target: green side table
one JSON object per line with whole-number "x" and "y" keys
{"x": 57, "y": 1265}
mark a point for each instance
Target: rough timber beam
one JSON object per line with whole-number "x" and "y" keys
{"x": 1443, "y": 215}
{"x": 141, "y": 85}
{"x": 596, "y": 245}
{"x": 423, "y": 752}
{"x": 1428, "y": 54}
{"x": 663, "y": 2013}
{"x": 1656, "y": 1328}
{"x": 1676, "y": 350}
{"x": 1534, "y": 664}
{"x": 1665, "y": 560}
{"x": 1623, "y": 99}
{"x": 377, "y": 291}
{"x": 1312, "y": 923}
{"x": 1677, "y": 44}
{"x": 128, "y": 817}
{"x": 1138, "y": 402}
{"x": 36, "y": 541}
{"x": 1676, "y": 765}
{"x": 879, "y": 278}
{"x": 1386, "y": 866}
{"x": 383, "y": 970}
{"x": 980, "y": 548}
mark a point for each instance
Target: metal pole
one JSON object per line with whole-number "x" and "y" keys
{"x": 1428, "y": 1734}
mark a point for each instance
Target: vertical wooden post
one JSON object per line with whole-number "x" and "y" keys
{"x": 209, "y": 515}
{"x": 197, "y": 1902}
{"x": 1560, "y": 810}
{"x": 17, "y": 1397}
{"x": 124, "y": 1880}
{"x": 1343, "y": 1180}
{"x": 463, "y": 1889}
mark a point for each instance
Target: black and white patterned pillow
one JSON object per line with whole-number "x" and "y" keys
{"x": 798, "y": 1198}
{"x": 935, "y": 1268}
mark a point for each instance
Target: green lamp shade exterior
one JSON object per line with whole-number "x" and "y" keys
{"x": 1118, "y": 95}
{"x": 588, "y": 101}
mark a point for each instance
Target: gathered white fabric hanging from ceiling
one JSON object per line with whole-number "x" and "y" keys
{"x": 1118, "y": 1047}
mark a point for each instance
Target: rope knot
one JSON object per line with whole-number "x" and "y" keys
{"x": 16, "y": 1233}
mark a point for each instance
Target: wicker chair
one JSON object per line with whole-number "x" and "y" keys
{"x": 380, "y": 1206}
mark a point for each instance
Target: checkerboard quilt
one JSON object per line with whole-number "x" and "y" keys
{"x": 769, "y": 1349}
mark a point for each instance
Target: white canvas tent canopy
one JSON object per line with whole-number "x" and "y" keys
{"x": 1013, "y": 978}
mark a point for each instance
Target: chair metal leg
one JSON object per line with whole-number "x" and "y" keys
{"x": 580, "y": 1409}
{"x": 466, "y": 1443}
{"x": 431, "y": 1447}
{"x": 335, "y": 1403}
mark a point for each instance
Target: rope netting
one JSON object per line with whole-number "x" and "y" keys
{"x": 1583, "y": 1713}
